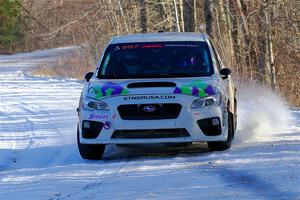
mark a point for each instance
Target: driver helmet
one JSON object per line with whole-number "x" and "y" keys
{"x": 133, "y": 62}
{"x": 186, "y": 61}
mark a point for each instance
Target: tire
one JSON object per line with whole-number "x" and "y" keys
{"x": 235, "y": 115}
{"x": 221, "y": 146}
{"x": 90, "y": 151}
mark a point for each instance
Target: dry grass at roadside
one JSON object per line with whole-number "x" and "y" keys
{"x": 289, "y": 87}
{"x": 74, "y": 65}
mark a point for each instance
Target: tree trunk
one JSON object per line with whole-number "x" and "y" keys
{"x": 176, "y": 15}
{"x": 244, "y": 34}
{"x": 223, "y": 27}
{"x": 265, "y": 51}
{"x": 123, "y": 16}
{"x": 229, "y": 26}
{"x": 189, "y": 15}
{"x": 114, "y": 15}
{"x": 237, "y": 40}
{"x": 271, "y": 50}
{"x": 160, "y": 7}
{"x": 143, "y": 16}
{"x": 210, "y": 17}
{"x": 181, "y": 14}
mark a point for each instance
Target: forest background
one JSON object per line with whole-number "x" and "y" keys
{"x": 258, "y": 39}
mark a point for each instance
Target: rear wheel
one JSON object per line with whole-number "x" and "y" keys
{"x": 220, "y": 146}
{"x": 90, "y": 151}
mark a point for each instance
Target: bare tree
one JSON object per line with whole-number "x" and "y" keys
{"x": 177, "y": 16}
{"x": 210, "y": 21}
{"x": 181, "y": 15}
{"x": 143, "y": 16}
{"x": 189, "y": 10}
{"x": 265, "y": 65}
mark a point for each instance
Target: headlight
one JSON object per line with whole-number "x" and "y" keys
{"x": 213, "y": 100}
{"x": 92, "y": 104}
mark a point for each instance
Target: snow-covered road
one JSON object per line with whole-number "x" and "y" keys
{"x": 39, "y": 158}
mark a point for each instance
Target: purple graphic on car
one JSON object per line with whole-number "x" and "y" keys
{"x": 196, "y": 88}
{"x": 107, "y": 125}
{"x": 109, "y": 89}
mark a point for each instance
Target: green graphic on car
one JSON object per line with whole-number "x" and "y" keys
{"x": 196, "y": 88}
{"x": 108, "y": 89}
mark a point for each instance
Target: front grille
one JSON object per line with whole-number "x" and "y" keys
{"x": 158, "y": 111}
{"x": 150, "y": 134}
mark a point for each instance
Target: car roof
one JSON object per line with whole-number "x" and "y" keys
{"x": 160, "y": 37}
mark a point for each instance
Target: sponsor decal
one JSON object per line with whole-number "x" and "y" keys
{"x": 132, "y": 46}
{"x": 108, "y": 89}
{"x": 149, "y": 46}
{"x": 94, "y": 116}
{"x": 195, "y": 88}
{"x": 146, "y": 97}
{"x": 182, "y": 45}
{"x": 107, "y": 125}
{"x": 136, "y": 46}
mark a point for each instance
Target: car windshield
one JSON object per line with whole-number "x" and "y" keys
{"x": 156, "y": 60}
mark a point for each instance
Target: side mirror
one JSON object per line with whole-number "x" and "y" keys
{"x": 225, "y": 72}
{"x": 88, "y": 76}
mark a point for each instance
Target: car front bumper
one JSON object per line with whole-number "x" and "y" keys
{"x": 187, "y": 120}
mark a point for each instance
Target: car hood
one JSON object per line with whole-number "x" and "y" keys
{"x": 198, "y": 87}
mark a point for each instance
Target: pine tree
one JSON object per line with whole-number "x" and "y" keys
{"x": 10, "y": 24}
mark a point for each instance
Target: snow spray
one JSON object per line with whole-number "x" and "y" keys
{"x": 261, "y": 113}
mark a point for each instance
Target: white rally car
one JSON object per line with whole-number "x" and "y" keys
{"x": 157, "y": 88}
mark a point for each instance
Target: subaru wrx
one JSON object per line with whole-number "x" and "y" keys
{"x": 157, "y": 88}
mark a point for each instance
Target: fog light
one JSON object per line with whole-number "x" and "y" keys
{"x": 86, "y": 124}
{"x": 215, "y": 121}
{"x": 91, "y": 129}
{"x": 210, "y": 126}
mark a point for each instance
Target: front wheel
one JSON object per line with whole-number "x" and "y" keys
{"x": 220, "y": 146}
{"x": 90, "y": 151}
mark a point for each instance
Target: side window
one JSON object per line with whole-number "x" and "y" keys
{"x": 216, "y": 55}
{"x": 98, "y": 66}
{"x": 105, "y": 64}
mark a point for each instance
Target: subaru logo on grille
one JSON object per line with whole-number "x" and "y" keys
{"x": 149, "y": 108}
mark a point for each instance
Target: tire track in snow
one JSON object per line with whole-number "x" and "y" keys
{"x": 255, "y": 184}
{"x": 31, "y": 117}
{"x": 47, "y": 161}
